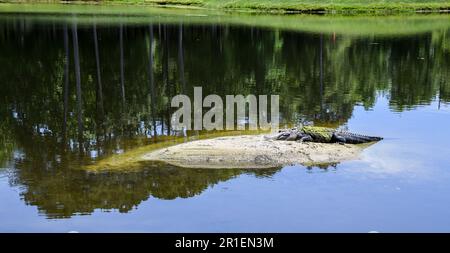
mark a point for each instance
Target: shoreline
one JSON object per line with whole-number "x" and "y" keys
{"x": 264, "y": 6}
{"x": 361, "y": 24}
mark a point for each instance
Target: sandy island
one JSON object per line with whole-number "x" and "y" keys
{"x": 252, "y": 151}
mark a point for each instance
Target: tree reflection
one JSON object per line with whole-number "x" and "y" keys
{"x": 58, "y": 117}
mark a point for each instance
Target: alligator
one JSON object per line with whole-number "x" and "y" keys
{"x": 323, "y": 135}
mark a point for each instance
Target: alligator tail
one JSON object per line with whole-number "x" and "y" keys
{"x": 357, "y": 138}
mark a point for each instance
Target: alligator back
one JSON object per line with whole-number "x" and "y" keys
{"x": 327, "y": 135}
{"x": 319, "y": 134}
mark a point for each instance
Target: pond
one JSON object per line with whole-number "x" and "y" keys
{"x": 377, "y": 75}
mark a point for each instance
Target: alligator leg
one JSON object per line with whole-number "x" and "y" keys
{"x": 339, "y": 139}
{"x": 305, "y": 138}
{"x": 292, "y": 137}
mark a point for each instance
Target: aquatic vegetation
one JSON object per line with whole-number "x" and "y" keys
{"x": 133, "y": 159}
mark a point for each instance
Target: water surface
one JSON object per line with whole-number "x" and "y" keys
{"x": 392, "y": 84}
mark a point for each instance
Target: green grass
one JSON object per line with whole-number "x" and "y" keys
{"x": 289, "y": 5}
{"x": 350, "y": 25}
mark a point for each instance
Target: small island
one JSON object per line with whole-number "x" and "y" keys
{"x": 252, "y": 152}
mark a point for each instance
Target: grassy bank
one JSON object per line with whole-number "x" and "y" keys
{"x": 287, "y": 5}
{"x": 349, "y": 25}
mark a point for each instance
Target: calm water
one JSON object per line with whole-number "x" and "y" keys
{"x": 392, "y": 85}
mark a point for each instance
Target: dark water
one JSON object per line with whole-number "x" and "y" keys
{"x": 394, "y": 86}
